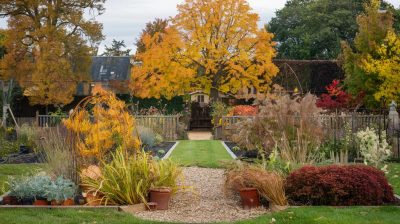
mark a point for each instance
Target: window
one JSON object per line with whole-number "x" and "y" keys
{"x": 200, "y": 98}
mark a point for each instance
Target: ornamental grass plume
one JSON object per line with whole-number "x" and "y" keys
{"x": 269, "y": 184}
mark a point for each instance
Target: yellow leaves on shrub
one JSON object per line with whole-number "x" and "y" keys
{"x": 106, "y": 126}
{"x": 386, "y": 64}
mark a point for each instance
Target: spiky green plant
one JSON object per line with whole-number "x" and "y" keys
{"x": 128, "y": 179}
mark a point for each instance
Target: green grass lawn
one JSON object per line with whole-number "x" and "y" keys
{"x": 304, "y": 215}
{"x": 300, "y": 215}
{"x": 394, "y": 176}
{"x": 200, "y": 153}
{"x": 9, "y": 170}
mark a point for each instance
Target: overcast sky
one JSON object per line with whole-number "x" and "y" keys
{"x": 124, "y": 19}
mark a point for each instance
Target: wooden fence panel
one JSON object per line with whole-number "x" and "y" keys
{"x": 165, "y": 125}
{"x": 334, "y": 125}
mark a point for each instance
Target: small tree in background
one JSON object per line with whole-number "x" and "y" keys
{"x": 116, "y": 49}
{"x": 365, "y": 65}
{"x": 336, "y": 98}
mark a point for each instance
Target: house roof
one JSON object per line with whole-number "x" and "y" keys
{"x": 110, "y": 68}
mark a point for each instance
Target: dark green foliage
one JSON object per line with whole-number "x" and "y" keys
{"x": 172, "y": 106}
{"x": 313, "y": 29}
{"x": 116, "y": 49}
{"x": 2, "y": 47}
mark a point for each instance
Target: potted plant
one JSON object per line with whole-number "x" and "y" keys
{"x": 161, "y": 196}
{"x": 61, "y": 192}
{"x": 93, "y": 198}
{"x": 21, "y": 191}
{"x": 38, "y": 187}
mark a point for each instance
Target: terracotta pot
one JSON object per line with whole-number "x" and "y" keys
{"x": 10, "y": 200}
{"x": 151, "y": 206}
{"x": 68, "y": 202}
{"x": 56, "y": 203}
{"x": 161, "y": 196}
{"x": 92, "y": 199}
{"x": 250, "y": 198}
{"x": 40, "y": 202}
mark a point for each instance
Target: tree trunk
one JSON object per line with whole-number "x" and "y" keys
{"x": 214, "y": 95}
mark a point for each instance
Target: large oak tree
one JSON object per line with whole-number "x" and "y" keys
{"x": 49, "y": 46}
{"x": 211, "y": 45}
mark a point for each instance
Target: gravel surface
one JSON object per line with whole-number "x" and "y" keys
{"x": 203, "y": 201}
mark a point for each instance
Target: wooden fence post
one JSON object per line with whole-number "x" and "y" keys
{"x": 393, "y": 129}
{"x": 37, "y": 118}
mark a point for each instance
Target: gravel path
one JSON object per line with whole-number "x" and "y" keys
{"x": 204, "y": 201}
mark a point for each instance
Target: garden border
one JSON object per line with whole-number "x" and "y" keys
{"x": 166, "y": 156}
{"x": 228, "y": 150}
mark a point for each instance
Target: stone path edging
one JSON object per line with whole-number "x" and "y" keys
{"x": 166, "y": 156}
{"x": 229, "y": 150}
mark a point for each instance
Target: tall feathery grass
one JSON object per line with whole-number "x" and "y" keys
{"x": 269, "y": 184}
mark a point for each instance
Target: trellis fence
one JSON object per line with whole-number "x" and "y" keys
{"x": 163, "y": 124}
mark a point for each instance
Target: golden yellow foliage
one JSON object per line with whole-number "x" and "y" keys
{"x": 48, "y": 46}
{"x": 213, "y": 45}
{"x": 105, "y": 127}
{"x": 386, "y": 64}
{"x": 161, "y": 72}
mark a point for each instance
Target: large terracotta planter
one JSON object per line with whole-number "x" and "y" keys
{"x": 161, "y": 196}
{"x": 250, "y": 198}
{"x": 40, "y": 202}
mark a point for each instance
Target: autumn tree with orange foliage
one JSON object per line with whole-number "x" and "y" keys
{"x": 212, "y": 45}
{"x": 49, "y": 46}
{"x": 100, "y": 124}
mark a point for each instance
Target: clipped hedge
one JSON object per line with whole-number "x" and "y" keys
{"x": 339, "y": 185}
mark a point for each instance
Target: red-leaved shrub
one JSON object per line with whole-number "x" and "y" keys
{"x": 245, "y": 110}
{"x": 339, "y": 185}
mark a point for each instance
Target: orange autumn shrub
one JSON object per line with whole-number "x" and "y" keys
{"x": 100, "y": 124}
{"x": 245, "y": 110}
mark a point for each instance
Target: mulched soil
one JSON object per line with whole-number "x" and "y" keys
{"x": 166, "y": 146}
{"x": 242, "y": 154}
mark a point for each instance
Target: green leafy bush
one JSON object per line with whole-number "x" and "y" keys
{"x": 61, "y": 189}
